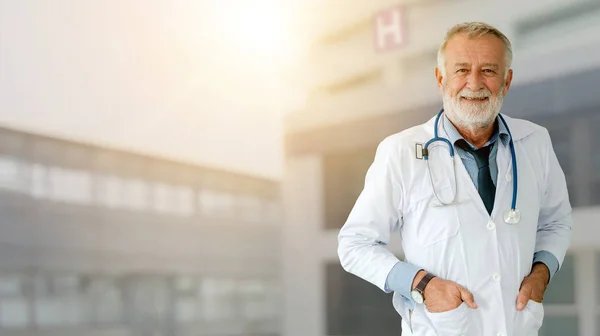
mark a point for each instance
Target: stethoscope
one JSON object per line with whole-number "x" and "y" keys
{"x": 512, "y": 215}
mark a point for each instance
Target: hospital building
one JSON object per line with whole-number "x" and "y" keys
{"x": 369, "y": 74}
{"x": 96, "y": 241}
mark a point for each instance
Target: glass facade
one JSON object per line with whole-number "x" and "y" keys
{"x": 111, "y": 191}
{"x": 355, "y": 307}
{"x": 561, "y": 289}
{"x": 103, "y": 199}
{"x": 47, "y": 300}
{"x": 344, "y": 176}
{"x": 559, "y": 326}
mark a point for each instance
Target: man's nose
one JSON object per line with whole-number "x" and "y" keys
{"x": 475, "y": 81}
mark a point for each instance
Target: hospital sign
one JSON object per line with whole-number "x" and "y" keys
{"x": 389, "y": 29}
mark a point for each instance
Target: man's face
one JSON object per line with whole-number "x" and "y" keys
{"x": 475, "y": 80}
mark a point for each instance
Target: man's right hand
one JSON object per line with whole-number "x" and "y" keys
{"x": 443, "y": 295}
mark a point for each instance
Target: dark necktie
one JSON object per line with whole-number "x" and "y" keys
{"x": 486, "y": 187}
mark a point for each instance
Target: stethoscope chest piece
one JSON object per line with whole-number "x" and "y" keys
{"x": 512, "y": 216}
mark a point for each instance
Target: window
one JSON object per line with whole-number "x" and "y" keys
{"x": 186, "y": 309}
{"x": 274, "y": 297}
{"x": 559, "y": 326}
{"x": 14, "y": 312}
{"x": 184, "y": 201}
{"x": 553, "y": 20}
{"x": 162, "y": 198}
{"x": 110, "y": 191}
{"x": 187, "y": 304}
{"x": 40, "y": 182}
{"x": 560, "y": 295}
{"x": 595, "y": 193}
{"x": 595, "y": 156}
{"x": 216, "y": 203}
{"x": 70, "y": 186}
{"x": 149, "y": 302}
{"x": 168, "y": 199}
{"x": 105, "y": 299}
{"x": 251, "y": 208}
{"x": 58, "y": 301}
{"x": 356, "y": 307}
{"x": 217, "y": 297}
{"x": 597, "y": 281}
{"x": 561, "y": 143}
{"x": 561, "y": 289}
{"x": 11, "y": 177}
{"x": 344, "y": 178}
{"x": 10, "y": 286}
{"x": 136, "y": 194}
{"x": 186, "y": 285}
{"x": 253, "y": 300}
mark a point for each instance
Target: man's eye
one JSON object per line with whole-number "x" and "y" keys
{"x": 488, "y": 70}
{"x": 461, "y": 70}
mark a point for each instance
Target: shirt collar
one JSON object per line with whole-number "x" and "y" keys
{"x": 499, "y": 131}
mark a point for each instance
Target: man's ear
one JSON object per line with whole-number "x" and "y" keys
{"x": 508, "y": 81}
{"x": 439, "y": 77}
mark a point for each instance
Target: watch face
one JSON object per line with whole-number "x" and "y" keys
{"x": 416, "y": 296}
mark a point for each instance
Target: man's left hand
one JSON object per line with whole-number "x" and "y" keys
{"x": 533, "y": 286}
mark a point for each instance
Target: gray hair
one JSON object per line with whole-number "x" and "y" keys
{"x": 474, "y": 30}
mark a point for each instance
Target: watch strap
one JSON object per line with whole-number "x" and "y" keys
{"x": 423, "y": 283}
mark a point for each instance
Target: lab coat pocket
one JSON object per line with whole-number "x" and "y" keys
{"x": 436, "y": 222}
{"x": 529, "y": 320}
{"x": 452, "y": 322}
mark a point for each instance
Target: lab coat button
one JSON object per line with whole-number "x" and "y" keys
{"x": 491, "y": 225}
{"x": 509, "y": 177}
{"x": 496, "y": 277}
{"x": 501, "y": 334}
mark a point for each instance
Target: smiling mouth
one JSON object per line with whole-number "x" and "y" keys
{"x": 474, "y": 99}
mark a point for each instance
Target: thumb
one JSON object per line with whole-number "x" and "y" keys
{"x": 467, "y": 297}
{"x": 523, "y": 297}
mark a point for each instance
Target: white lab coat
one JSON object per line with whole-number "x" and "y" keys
{"x": 460, "y": 242}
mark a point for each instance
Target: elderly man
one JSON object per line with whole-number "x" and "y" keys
{"x": 480, "y": 246}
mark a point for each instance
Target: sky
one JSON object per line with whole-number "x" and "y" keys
{"x": 193, "y": 81}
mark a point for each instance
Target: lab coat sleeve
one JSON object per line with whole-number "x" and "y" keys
{"x": 363, "y": 238}
{"x": 554, "y": 225}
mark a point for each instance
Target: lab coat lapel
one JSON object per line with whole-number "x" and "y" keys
{"x": 504, "y": 181}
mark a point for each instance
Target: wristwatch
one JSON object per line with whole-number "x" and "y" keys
{"x": 417, "y": 293}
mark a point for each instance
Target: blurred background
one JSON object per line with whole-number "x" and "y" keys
{"x": 183, "y": 167}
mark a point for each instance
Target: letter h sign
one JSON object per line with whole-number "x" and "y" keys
{"x": 389, "y": 29}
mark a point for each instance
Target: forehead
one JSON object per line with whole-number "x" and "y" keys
{"x": 485, "y": 49}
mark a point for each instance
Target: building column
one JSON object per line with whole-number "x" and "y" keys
{"x": 586, "y": 288}
{"x": 303, "y": 283}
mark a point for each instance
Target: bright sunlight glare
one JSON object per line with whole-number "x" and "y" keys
{"x": 258, "y": 28}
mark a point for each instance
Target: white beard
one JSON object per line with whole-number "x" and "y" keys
{"x": 472, "y": 116}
